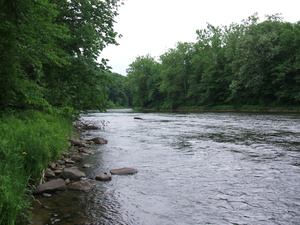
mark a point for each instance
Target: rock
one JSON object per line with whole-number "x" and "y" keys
{"x": 87, "y": 166}
{"x": 49, "y": 174}
{"x": 103, "y": 177}
{"x": 77, "y": 142}
{"x": 123, "y": 171}
{"x": 58, "y": 171}
{"x": 65, "y": 154}
{"x": 77, "y": 158}
{"x": 69, "y": 161}
{"x": 51, "y": 186}
{"x": 99, "y": 141}
{"x": 138, "y": 118}
{"x": 89, "y": 152}
{"x": 52, "y": 166}
{"x": 61, "y": 162}
{"x": 72, "y": 173}
{"x": 81, "y": 186}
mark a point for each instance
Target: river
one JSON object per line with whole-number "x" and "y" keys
{"x": 194, "y": 168}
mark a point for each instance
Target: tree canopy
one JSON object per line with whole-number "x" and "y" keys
{"x": 49, "y": 52}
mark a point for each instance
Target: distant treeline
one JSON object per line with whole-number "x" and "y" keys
{"x": 250, "y": 63}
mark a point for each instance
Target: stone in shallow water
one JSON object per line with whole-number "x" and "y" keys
{"x": 51, "y": 186}
{"x": 87, "y": 166}
{"x": 81, "y": 186}
{"x": 72, "y": 173}
{"x": 123, "y": 171}
{"x": 99, "y": 141}
{"x": 103, "y": 177}
{"x": 77, "y": 158}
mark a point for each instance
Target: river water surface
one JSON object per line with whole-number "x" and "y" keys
{"x": 194, "y": 168}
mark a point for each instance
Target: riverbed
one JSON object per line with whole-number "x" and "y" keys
{"x": 194, "y": 168}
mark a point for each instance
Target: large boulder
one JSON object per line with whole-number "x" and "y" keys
{"x": 99, "y": 141}
{"x": 72, "y": 173}
{"x": 81, "y": 186}
{"x": 51, "y": 186}
{"x": 123, "y": 171}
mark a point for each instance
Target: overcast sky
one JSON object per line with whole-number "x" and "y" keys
{"x": 154, "y": 26}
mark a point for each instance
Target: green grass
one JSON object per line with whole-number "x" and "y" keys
{"x": 28, "y": 142}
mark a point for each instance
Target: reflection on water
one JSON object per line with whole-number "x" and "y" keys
{"x": 194, "y": 168}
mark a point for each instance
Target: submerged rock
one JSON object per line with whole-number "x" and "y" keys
{"x": 87, "y": 166}
{"x": 72, "y": 173}
{"x": 81, "y": 186}
{"x": 51, "y": 186}
{"x": 123, "y": 171}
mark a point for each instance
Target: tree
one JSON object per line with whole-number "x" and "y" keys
{"x": 251, "y": 57}
{"x": 285, "y": 70}
{"x": 176, "y": 69}
{"x": 209, "y": 83}
{"x": 81, "y": 84}
{"x": 117, "y": 92}
{"x": 28, "y": 40}
{"x": 144, "y": 81}
{"x": 49, "y": 51}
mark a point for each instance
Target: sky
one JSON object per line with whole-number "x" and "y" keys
{"x": 154, "y": 26}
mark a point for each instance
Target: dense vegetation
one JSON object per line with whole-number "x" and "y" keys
{"x": 49, "y": 51}
{"x": 118, "y": 93}
{"x": 28, "y": 142}
{"x": 250, "y": 63}
{"x": 49, "y": 70}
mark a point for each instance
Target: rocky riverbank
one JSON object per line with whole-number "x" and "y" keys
{"x": 64, "y": 174}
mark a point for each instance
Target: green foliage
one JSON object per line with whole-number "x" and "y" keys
{"x": 49, "y": 51}
{"x": 176, "y": 69}
{"x": 28, "y": 142}
{"x": 250, "y": 63}
{"x": 144, "y": 81}
{"x": 117, "y": 92}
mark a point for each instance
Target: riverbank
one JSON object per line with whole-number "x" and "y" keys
{"x": 226, "y": 108}
{"x": 29, "y": 141}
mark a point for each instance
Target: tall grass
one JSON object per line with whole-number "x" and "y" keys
{"x": 28, "y": 142}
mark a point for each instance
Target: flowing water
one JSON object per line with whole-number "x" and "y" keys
{"x": 194, "y": 168}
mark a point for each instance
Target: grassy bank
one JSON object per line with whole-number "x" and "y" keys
{"x": 28, "y": 142}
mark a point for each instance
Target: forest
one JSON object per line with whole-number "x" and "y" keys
{"x": 248, "y": 64}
